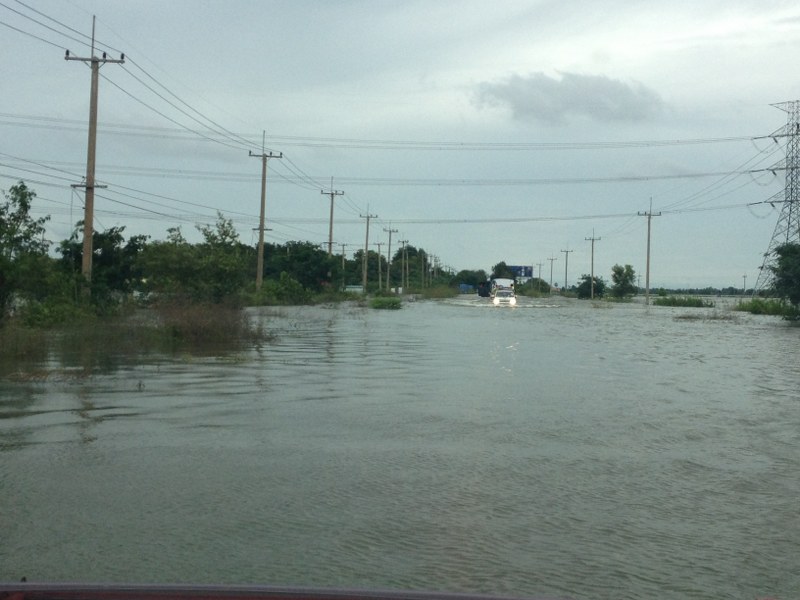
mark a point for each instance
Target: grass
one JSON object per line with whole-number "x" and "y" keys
{"x": 683, "y": 301}
{"x": 386, "y": 302}
{"x": 98, "y": 343}
{"x": 714, "y": 316}
{"x": 768, "y": 306}
{"x": 439, "y": 291}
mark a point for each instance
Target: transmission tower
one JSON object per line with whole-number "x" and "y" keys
{"x": 787, "y": 229}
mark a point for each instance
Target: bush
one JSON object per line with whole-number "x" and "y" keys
{"x": 768, "y": 306}
{"x": 282, "y": 292}
{"x": 439, "y": 291}
{"x": 204, "y": 324}
{"x": 386, "y": 302}
{"x": 683, "y": 301}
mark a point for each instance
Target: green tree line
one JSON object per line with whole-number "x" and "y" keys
{"x": 43, "y": 281}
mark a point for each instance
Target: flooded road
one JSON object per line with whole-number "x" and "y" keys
{"x": 559, "y": 448}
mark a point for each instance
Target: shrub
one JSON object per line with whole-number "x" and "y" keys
{"x": 439, "y": 291}
{"x": 386, "y": 302}
{"x": 683, "y": 301}
{"x": 768, "y": 306}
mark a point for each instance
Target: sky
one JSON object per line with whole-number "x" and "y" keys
{"x": 482, "y": 132}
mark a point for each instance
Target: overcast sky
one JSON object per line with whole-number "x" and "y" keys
{"x": 480, "y": 131}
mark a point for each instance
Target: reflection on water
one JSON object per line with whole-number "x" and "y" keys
{"x": 552, "y": 448}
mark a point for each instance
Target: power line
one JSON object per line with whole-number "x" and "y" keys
{"x": 23, "y": 15}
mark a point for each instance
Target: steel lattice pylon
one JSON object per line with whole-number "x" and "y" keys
{"x": 787, "y": 229}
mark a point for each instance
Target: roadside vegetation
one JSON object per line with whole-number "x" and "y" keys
{"x": 769, "y": 306}
{"x": 683, "y": 301}
{"x": 172, "y": 293}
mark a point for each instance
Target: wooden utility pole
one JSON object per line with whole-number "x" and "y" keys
{"x": 332, "y": 193}
{"x": 649, "y": 214}
{"x": 389, "y": 258}
{"x": 593, "y": 240}
{"x": 88, "y": 210}
{"x": 366, "y": 251}
{"x": 264, "y": 156}
{"x": 566, "y": 263}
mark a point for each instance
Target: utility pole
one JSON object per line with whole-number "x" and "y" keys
{"x": 566, "y": 264}
{"x": 332, "y": 194}
{"x": 744, "y": 284}
{"x": 551, "y": 259}
{"x": 649, "y": 214}
{"x": 389, "y": 257}
{"x": 380, "y": 279}
{"x": 264, "y": 156}
{"x": 540, "y": 276}
{"x": 593, "y": 240}
{"x": 403, "y": 265}
{"x": 366, "y": 251}
{"x": 88, "y": 210}
{"x": 344, "y": 266}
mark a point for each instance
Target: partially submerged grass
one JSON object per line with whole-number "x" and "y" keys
{"x": 769, "y": 306}
{"x": 103, "y": 342}
{"x": 683, "y": 301}
{"x": 438, "y": 291}
{"x": 712, "y": 316}
{"x": 386, "y": 302}
{"x": 197, "y": 325}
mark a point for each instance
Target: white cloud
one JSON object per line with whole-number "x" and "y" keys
{"x": 597, "y": 97}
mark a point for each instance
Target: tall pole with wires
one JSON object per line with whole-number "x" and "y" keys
{"x": 787, "y": 229}
{"x": 89, "y": 184}
{"x": 403, "y": 269}
{"x": 552, "y": 259}
{"x": 332, "y": 193}
{"x": 566, "y": 264}
{"x": 389, "y": 258}
{"x": 593, "y": 240}
{"x": 366, "y": 251}
{"x": 264, "y": 156}
{"x": 649, "y": 214}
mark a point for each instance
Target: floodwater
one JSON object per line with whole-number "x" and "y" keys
{"x": 554, "y": 448}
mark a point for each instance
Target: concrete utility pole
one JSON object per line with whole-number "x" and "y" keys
{"x": 366, "y": 252}
{"x": 89, "y": 185}
{"x": 566, "y": 263}
{"x": 403, "y": 265}
{"x": 551, "y": 259}
{"x": 344, "y": 266}
{"x": 593, "y": 240}
{"x": 332, "y": 194}
{"x": 264, "y": 156}
{"x": 380, "y": 278}
{"x": 744, "y": 284}
{"x": 649, "y": 214}
{"x": 540, "y": 276}
{"x": 389, "y": 258}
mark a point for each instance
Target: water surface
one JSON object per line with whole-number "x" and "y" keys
{"x": 553, "y": 448}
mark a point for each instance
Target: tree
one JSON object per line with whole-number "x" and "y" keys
{"x": 584, "y": 288}
{"x": 623, "y": 278}
{"x": 473, "y": 278}
{"x": 501, "y": 270}
{"x": 116, "y": 268}
{"x": 787, "y": 272}
{"x": 304, "y": 262}
{"x": 225, "y": 264}
{"x": 23, "y": 249}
